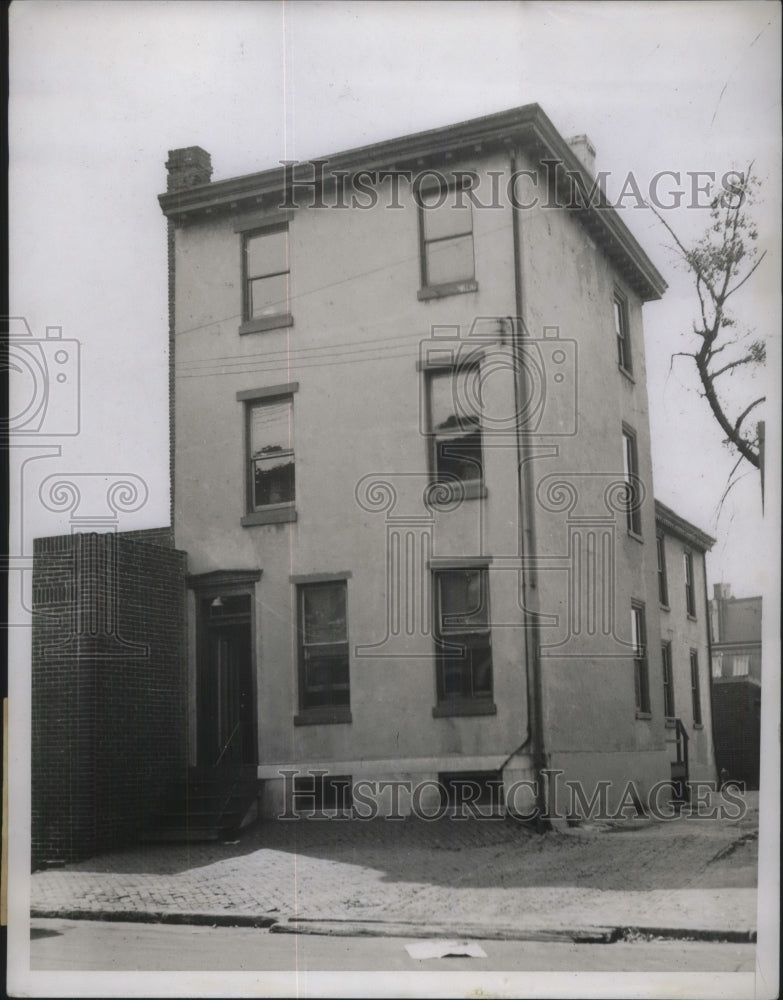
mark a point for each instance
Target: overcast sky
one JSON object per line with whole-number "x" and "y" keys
{"x": 101, "y": 91}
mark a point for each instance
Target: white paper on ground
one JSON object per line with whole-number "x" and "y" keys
{"x": 445, "y": 949}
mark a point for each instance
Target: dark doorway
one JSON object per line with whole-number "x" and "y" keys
{"x": 226, "y": 709}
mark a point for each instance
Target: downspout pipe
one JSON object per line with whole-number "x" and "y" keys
{"x": 527, "y": 533}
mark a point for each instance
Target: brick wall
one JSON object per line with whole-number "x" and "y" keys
{"x": 109, "y": 703}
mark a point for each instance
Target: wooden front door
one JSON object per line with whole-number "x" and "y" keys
{"x": 226, "y": 711}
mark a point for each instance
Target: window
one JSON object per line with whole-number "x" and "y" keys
{"x": 456, "y": 451}
{"x": 668, "y": 680}
{"x": 663, "y": 587}
{"x": 446, "y": 230}
{"x": 462, "y": 639}
{"x": 266, "y": 279}
{"x": 690, "y": 599}
{"x": 622, "y": 334}
{"x": 271, "y": 487}
{"x": 324, "y": 684}
{"x": 631, "y": 477}
{"x": 640, "y": 670}
{"x": 695, "y": 688}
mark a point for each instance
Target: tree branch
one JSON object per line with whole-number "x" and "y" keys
{"x": 746, "y": 411}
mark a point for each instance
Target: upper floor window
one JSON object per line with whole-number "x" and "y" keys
{"x": 622, "y": 333}
{"x": 456, "y": 453}
{"x": 695, "y": 688}
{"x": 324, "y": 682}
{"x": 271, "y": 484}
{"x": 462, "y": 638}
{"x": 265, "y": 264}
{"x": 668, "y": 680}
{"x": 690, "y": 596}
{"x": 640, "y": 666}
{"x": 631, "y": 475}
{"x": 446, "y": 237}
{"x": 663, "y": 586}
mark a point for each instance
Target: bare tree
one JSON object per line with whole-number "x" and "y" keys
{"x": 722, "y": 260}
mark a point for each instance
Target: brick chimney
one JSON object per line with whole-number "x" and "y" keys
{"x": 722, "y": 591}
{"x": 585, "y": 150}
{"x": 187, "y": 168}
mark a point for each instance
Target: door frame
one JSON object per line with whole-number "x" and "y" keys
{"x": 206, "y": 587}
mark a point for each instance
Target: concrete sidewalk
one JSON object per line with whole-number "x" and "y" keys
{"x": 494, "y": 878}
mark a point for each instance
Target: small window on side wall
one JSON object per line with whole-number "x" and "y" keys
{"x": 640, "y": 665}
{"x": 690, "y": 596}
{"x": 695, "y": 688}
{"x": 622, "y": 333}
{"x": 663, "y": 585}
{"x": 633, "y": 514}
{"x": 668, "y": 680}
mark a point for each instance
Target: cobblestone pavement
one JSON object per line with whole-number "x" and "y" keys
{"x": 687, "y": 873}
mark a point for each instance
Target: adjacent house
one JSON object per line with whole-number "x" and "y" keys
{"x": 411, "y": 473}
{"x": 736, "y": 683}
{"x": 685, "y": 647}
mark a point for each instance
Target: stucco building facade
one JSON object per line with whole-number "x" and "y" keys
{"x": 411, "y": 468}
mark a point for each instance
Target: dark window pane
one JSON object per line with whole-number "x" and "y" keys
{"x": 459, "y": 458}
{"x": 324, "y": 613}
{"x": 273, "y": 481}
{"x": 463, "y": 604}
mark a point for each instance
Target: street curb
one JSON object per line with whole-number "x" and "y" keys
{"x": 222, "y": 919}
{"x": 339, "y": 927}
{"x": 347, "y": 927}
{"x": 406, "y": 929}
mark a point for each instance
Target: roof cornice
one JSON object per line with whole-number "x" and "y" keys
{"x": 684, "y": 530}
{"x": 524, "y": 127}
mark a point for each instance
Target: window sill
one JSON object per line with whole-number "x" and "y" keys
{"x": 671, "y": 722}
{"x": 698, "y": 725}
{"x": 261, "y": 323}
{"x": 627, "y": 374}
{"x": 447, "y": 709}
{"x": 271, "y": 515}
{"x": 645, "y": 716}
{"x": 448, "y": 288}
{"x": 636, "y": 536}
{"x": 692, "y": 618}
{"x": 664, "y": 607}
{"x": 323, "y": 717}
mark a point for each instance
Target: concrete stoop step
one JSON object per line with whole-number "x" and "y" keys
{"x": 207, "y": 806}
